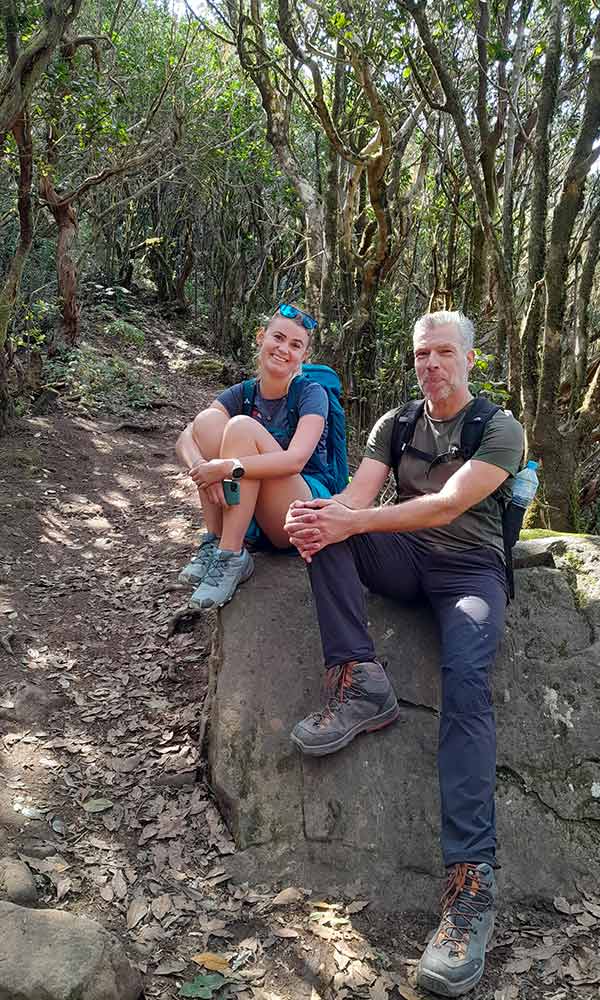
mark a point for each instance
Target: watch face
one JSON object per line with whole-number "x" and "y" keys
{"x": 237, "y": 472}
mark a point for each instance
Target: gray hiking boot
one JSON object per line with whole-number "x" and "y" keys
{"x": 361, "y": 700}
{"x": 454, "y": 959}
{"x": 225, "y": 573}
{"x": 195, "y": 570}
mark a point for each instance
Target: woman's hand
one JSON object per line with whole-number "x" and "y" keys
{"x": 204, "y": 474}
{"x": 313, "y": 524}
{"x": 214, "y": 494}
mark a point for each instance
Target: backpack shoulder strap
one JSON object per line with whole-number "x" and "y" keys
{"x": 293, "y": 400}
{"x": 248, "y": 396}
{"x": 480, "y": 411}
{"x": 405, "y": 419}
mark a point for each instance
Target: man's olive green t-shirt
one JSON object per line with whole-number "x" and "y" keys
{"x": 501, "y": 445}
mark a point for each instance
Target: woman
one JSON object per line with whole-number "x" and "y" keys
{"x": 272, "y": 464}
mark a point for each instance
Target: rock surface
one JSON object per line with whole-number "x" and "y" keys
{"x": 52, "y": 955}
{"x": 366, "y": 819}
{"x": 17, "y": 884}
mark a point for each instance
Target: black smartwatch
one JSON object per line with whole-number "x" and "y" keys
{"x": 238, "y": 469}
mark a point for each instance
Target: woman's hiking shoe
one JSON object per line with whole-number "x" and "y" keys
{"x": 454, "y": 959}
{"x": 225, "y": 573}
{"x": 361, "y": 699}
{"x": 195, "y": 570}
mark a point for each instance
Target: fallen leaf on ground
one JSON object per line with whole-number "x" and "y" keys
{"x": 287, "y": 896}
{"x": 119, "y": 885}
{"x": 357, "y": 906}
{"x": 148, "y": 832}
{"x": 202, "y": 986}
{"x": 380, "y": 988}
{"x": 592, "y": 908}
{"x": 161, "y": 905}
{"x": 507, "y": 993}
{"x": 136, "y": 912}
{"x": 518, "y": 966}
{"x": 211, "y": 960}
{"x": 97, "y": 805}
{"x": 63, "y": 886}
{"x": 169, "y": 967}
{"x": 407, "y": 992}
{"x": 561, "y": 904}
{"x": 284, "y": 932}
{"x": 326, "y": 933}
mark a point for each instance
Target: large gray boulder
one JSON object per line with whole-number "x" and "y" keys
{"x": 367, "y": 819}
{"x": 52, "y": 955}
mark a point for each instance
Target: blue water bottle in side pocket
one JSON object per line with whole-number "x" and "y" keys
{"x": 524, "y": 490}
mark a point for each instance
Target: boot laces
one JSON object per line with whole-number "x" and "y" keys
{"x": 338, "y": 681}
{"x": 464, "y": 899}
{"x": 216, "y": 570}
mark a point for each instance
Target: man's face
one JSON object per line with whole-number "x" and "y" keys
{"x": 441, "y": 362}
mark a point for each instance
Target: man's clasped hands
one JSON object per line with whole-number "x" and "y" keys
{"x": 313, "y": 524}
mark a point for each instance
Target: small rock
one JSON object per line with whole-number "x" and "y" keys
{"x": 17, "y": 884}
{"x": 67, "y": 956}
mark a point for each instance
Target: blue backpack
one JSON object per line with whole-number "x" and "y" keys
{"x": 335, "y": 473}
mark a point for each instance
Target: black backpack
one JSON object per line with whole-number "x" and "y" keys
{"x": 480, "y": 411}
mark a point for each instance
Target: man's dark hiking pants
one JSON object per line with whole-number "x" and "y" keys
{"x": 467, "y": 592}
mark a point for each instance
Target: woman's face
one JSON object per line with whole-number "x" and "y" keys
{"x": 283, "y": 347}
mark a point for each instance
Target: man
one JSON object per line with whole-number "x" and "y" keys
{"x": 442, "y": 541}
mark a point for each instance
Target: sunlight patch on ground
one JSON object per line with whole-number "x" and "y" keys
{"x": 115, "y": 499}
{"x": 127, "y": 482}
{"x": 56, "y": 532}
{"x": 176, "y": 528}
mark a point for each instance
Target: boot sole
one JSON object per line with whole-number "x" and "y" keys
{"x": 368, "y": 726}
{"x": 437, "y": 984}
{"x": 222, "y": 604}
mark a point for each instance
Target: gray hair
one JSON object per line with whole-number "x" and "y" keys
{"x": 443, "y": 318}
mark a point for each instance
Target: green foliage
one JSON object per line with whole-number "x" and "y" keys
{"x": 481, "y": 382}
{"x": 100, "y": 381}
{"x": 125, "y": 331}
{"x": 205, "y": 987}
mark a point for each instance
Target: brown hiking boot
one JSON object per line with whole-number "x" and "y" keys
{"x": 361, "y": 699}
{"x": 454, "y": 959}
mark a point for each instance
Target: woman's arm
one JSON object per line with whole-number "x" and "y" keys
{"x": 271, "y": 463}
{"x": 288, "y": 462}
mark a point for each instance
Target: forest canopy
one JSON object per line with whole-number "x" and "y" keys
{"x": 372, "y": 160}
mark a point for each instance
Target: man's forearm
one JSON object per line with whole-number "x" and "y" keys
{"x": 431, "y": 511}
{"x": 354, "y": 498}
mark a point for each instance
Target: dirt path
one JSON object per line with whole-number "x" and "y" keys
{"x": 103, "y": 788}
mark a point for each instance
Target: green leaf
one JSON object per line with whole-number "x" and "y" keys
{"x": 202, "y": 986}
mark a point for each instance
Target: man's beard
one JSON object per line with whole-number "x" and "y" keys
{"x": 442, "y": 392}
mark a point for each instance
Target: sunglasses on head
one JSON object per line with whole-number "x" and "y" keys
{"x": 290, "y": 312}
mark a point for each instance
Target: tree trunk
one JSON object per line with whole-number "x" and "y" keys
{"x": 330, "y": 230}
{"x": 66, "y": 221}
{"x": 186, "y": 269}
{"x": 583, "y": 313}
{"x": 6, "y": 402}
{"x": 530, "y": 336}
{"x": 546, "y": 429}
{"x": 18, "y": 81}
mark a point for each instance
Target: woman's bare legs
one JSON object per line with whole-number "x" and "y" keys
{"x": 269, "y": 499}
{"x": 200, "y": 440}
